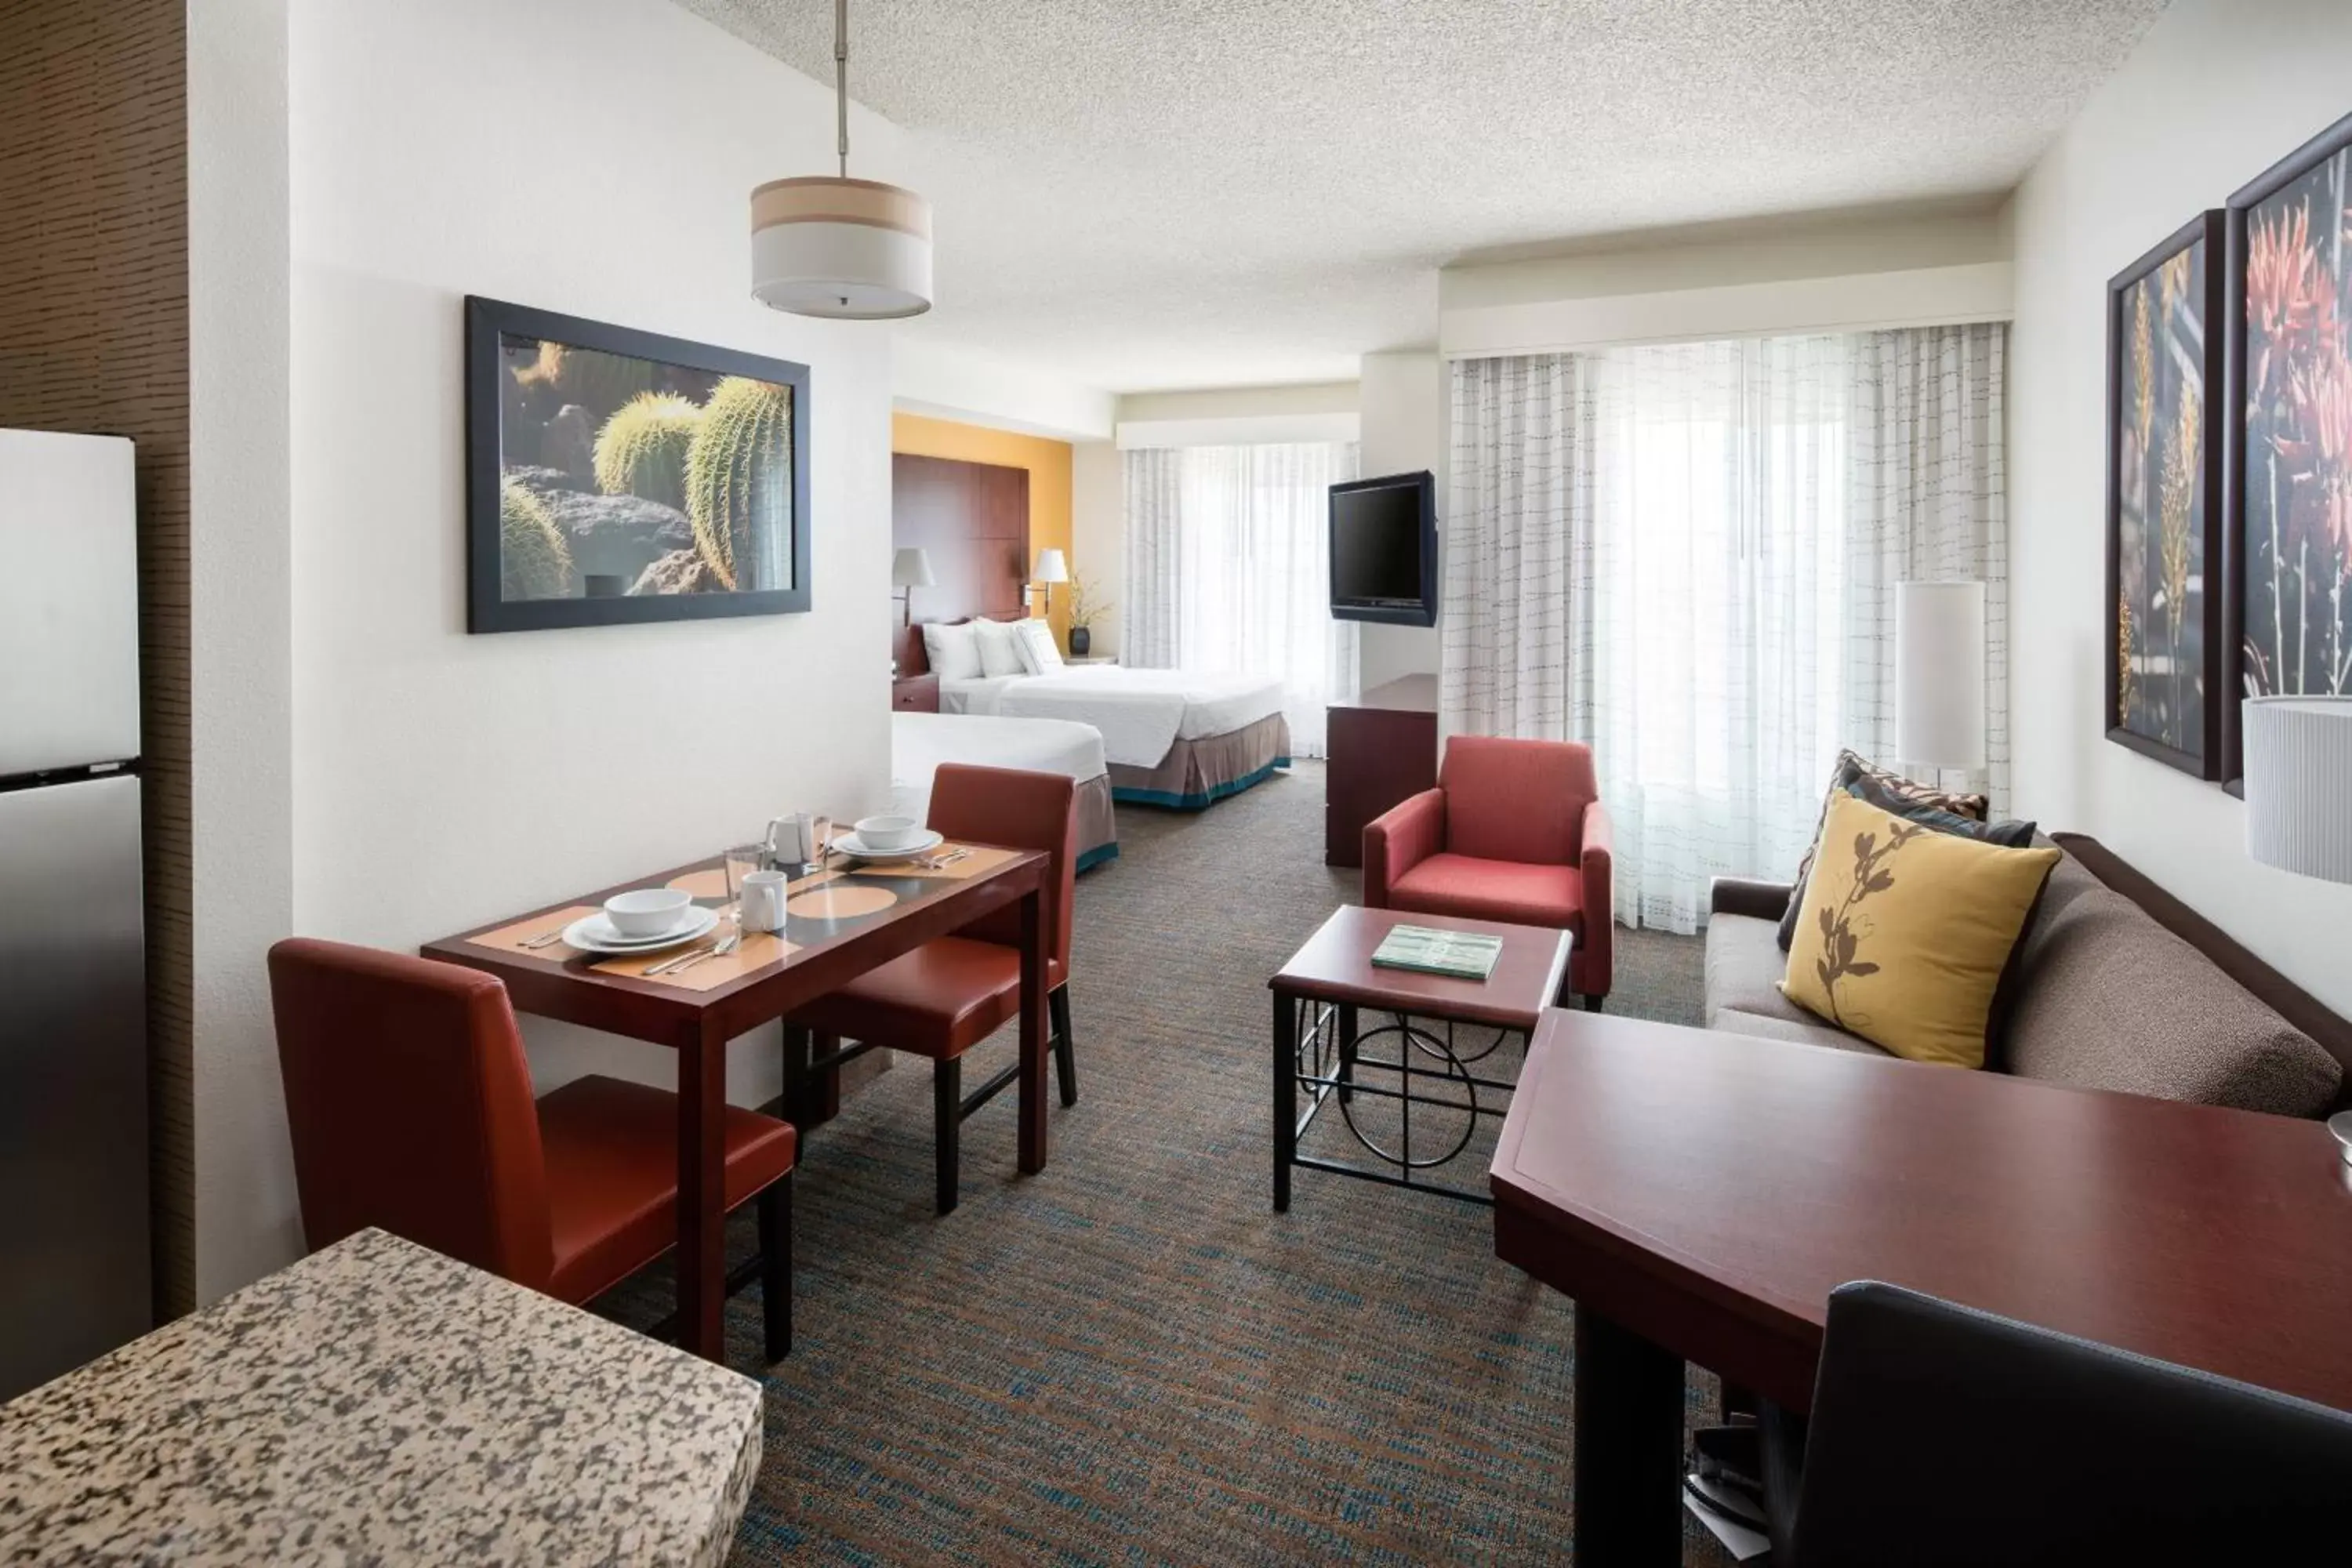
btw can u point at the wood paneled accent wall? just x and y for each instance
(94, 337)
(973, 520)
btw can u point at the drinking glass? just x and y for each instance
(741, 861)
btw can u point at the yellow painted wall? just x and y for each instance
(1048, 462)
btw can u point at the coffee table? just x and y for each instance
(1318, 996)
(1699, 1196)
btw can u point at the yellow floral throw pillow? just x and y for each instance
(1906, 931)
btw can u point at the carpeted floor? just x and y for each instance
(1131, 1358)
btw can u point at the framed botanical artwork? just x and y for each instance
(2289, 477)
(615, 476)
(2165, 482)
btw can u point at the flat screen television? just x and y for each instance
(1384, 550)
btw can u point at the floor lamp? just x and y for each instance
(1939, 675)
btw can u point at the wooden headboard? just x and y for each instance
(973, 521)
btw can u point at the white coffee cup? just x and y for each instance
(761, 905)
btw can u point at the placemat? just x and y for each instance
(759, 950)
(980, 858)
(711, 882)
(511, 938)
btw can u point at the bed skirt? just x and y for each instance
(1195, 773)
(1097, 824)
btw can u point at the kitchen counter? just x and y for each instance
(379, 1403)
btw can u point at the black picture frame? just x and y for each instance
(488, 323)
(2201, 299)
(2238, 549)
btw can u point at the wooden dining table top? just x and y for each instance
(1709, 1191)
(826, 915)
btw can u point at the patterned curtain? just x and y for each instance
(1927, 501)
(1685, 555)
(1229, 570)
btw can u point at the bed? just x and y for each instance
(1170, 737)
(919, 742)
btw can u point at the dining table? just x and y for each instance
(843, 919)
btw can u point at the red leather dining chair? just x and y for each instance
(410, 1107)
(952, 993)
(1515, 831)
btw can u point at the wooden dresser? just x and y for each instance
(1383, 748)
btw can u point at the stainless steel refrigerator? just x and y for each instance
(74, 1280)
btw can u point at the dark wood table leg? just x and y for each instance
(1033, 1032)
(702, 1191)
(1285, 1097)
(1629, 1447)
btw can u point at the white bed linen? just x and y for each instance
(1141, 712)
(919, 742)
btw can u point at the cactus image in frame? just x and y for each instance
(639, 477)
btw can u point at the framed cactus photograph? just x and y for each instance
(616, 476)
(2163, 501)
(2290, 479)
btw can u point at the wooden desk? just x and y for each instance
(700, 1011)
(1700, 1195)
(1382, 749)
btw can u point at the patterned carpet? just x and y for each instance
(1131, 1358)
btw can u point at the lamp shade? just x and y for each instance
(911, 569)
(827, 246)
(1939, 674)
(2299, 784)
(1051, 567)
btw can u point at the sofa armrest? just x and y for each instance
(1596, 863)
(1401, 838)
(1745, 895)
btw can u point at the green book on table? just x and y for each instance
(1463, 955)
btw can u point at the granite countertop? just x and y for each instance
(378, 1403)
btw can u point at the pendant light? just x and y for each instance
(826, 244)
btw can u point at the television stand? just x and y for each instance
(1383, 750)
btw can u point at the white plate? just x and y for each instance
(849, 844)
(596, 934)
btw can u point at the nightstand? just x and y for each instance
(915, 694)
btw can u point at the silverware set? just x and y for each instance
(942, 861)
(686, 960)
(544, 938)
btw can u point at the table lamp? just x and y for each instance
(2299, 784)
(1939, 674)
(911, 570)
(1051, 569)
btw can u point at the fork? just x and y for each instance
(724, 945)
(544, 938)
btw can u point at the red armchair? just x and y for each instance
(1515, 831)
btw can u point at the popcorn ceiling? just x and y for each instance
(1145, 193)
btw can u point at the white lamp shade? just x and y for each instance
(1051, 567)
(1939, 674)
(2299, 784)
(911, 569)
(853, 249)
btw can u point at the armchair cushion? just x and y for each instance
(1516, 800)
(1507, 890)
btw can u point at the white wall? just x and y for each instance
(1405, 429)
(2217, 91)
(592, 157)
(240, 681)
(929, 376)
(1098, 531)
(1240, 415)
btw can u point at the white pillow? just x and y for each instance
(953, 651)
(1037, 649)
(1000, 648)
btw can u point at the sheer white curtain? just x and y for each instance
(1229, 570)
(1685, 555)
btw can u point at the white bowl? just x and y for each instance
(648, 912)
(887, 832)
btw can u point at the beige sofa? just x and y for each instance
(2118, 985)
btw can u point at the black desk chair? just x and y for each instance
(1944, 1437)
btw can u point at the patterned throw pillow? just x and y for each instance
(1907, 933)
(1947, 811)
(1000, 648)
(1037, 650)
